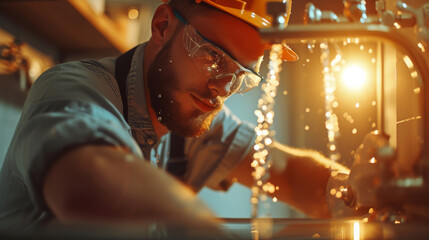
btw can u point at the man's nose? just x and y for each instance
(222, 85)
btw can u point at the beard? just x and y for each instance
(163, 84)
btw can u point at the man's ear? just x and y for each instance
(164, 24)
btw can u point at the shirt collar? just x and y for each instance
(138, 113)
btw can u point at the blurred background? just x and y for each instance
(35, 35)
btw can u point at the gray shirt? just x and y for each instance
(79, 102)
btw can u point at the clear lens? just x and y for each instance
(217, 63)
(250, 81)
(214, 60)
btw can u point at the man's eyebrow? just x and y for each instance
(186, 22)
(182, 19)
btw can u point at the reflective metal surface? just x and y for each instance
(331, 229)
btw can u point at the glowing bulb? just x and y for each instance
(354, 77)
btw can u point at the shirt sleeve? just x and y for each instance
(60, 115)
(215, 154)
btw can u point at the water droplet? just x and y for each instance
(416, 90)
(338, 195)
(310, 48)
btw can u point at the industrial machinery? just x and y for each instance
(361, 79)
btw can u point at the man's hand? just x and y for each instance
(374, 161)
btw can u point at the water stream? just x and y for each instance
(264, 139)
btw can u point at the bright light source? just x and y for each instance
(356, 231)
(354, 76)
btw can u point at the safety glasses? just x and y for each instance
(215, 62)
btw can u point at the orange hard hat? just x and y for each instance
(254, 12)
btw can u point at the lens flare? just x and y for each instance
(354, 77)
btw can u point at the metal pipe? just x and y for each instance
(297, 32)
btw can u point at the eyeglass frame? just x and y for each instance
(183, 20)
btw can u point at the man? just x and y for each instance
(92, 148)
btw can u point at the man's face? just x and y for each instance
(180, 99)
(184, 98)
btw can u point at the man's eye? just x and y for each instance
(215, 58)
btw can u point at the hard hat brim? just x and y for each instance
(288, 54)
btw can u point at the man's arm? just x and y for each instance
(94, 184)
(302, 184)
